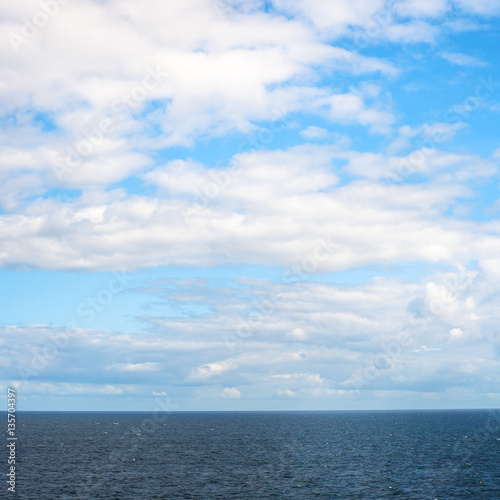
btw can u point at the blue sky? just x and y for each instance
(248, 205)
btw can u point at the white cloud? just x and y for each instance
(135, 367)
(424, 348)
(161, 393)
(297, 334)
(428, 135)
(269, 208)
(70, 389)
(469, 368)
(422, 8)
(462, 59)
(456, 332)
(425, 160)
(335, 20)
(231, 392)
(411, 32)
(351, 108)
(301, 378)
(483, 7)
(313, 132)
(368, 21)
(286, 392)
(212, 369)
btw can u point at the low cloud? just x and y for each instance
(135, 367)
(231, 393)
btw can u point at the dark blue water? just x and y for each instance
(298, 455)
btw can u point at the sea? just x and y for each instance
(411, 455)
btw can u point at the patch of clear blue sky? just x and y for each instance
(44, 121)
(450, 84)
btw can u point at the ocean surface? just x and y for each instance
(258, 455)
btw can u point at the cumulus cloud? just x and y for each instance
(297, 334)
(159, 393)
(351, 107)
(213, 369)
(456, 332)
(231, 393)
(313, 132)
(287, 392)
